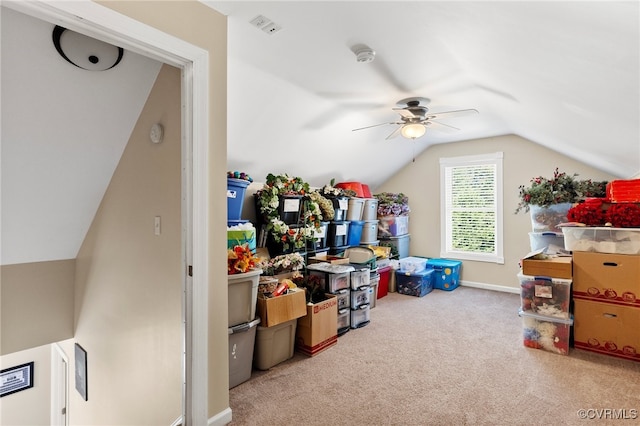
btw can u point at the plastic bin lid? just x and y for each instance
(241, 328)
(331, 268)
(545, 318)
(360, 254)
(443, 262)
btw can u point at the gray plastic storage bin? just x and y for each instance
(242, 339)
(242, 296)
(274, 344)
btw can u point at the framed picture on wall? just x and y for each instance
(81, 371)
(16, 379)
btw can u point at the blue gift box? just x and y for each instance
(446, 273)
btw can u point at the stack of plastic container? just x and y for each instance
(545, 311)
(338, 228)
(242, 298)
(370, 223)
(239, 231)
(393, 231)
(413, 278)
(337, 281)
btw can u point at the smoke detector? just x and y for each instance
(365, 55)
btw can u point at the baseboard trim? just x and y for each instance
(220, 419)
(493, 287)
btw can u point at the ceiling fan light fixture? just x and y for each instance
(413, 130)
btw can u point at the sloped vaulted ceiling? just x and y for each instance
(561, 74)
(63, 132)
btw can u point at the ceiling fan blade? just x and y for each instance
(375, 125)
(456, 113)
(406, 113)
(395, 133)
(435, 125)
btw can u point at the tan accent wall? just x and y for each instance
(36, 304)
(129, 280)
(200, 25)
(420, 181)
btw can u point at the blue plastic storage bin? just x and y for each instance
(235, 197)
(446, 273)
(416, 284)
(355, 232)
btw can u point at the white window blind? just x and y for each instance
(471, 189)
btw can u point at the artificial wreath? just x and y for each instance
(277, 186)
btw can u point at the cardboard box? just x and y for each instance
(607, 329)
(554, 267)
(611, 278)
(276, 310)
(318, 329)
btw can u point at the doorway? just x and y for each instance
(96, 21)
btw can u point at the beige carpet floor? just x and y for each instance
(448, 358)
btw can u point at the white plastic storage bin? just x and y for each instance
(413, 264)
(370, 211)
(344, 321)
(360, 317)
(545, 296)
(542, 240)
(401, 244)
(369, 231)
(549, 334)
(360, 277)
(335, 277)
(356, 206)
(242, 295)
(242, 338)
(360, 297)
(274, 344)
(602, 239)
(344, 298)
(373, 290)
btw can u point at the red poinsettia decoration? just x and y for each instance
(623, 215)
(591, 213)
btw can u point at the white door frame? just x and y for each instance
(92, 19)
(59, 386)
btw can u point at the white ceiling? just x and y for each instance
(562, 74)
(63, 132)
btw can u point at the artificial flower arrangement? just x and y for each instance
(282, 264)
(392, 204)
(332, 191)
(269, 202)
(561, 188)
(240, 259)
(313, 285)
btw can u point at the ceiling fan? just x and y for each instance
(415, 119)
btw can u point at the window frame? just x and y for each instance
(495, 159)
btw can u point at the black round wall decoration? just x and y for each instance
(85, 52)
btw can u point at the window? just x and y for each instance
(471, 207)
